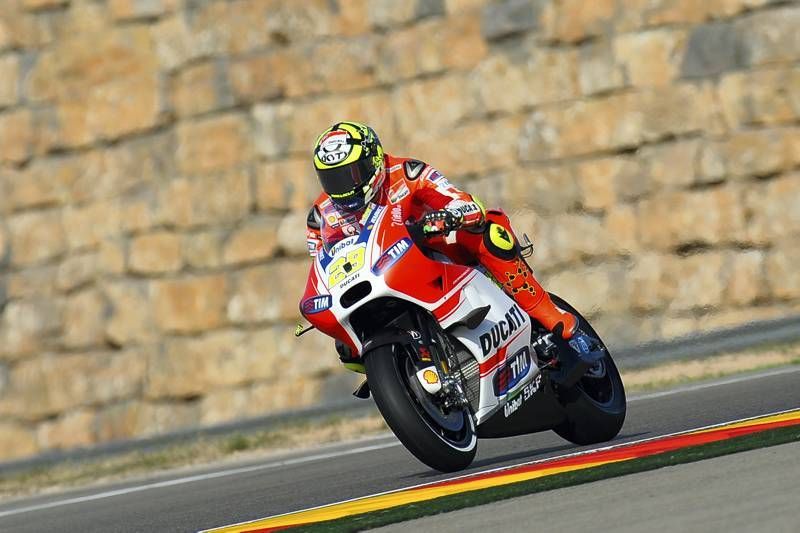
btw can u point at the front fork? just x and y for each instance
(433, 347)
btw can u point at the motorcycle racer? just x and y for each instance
(354, 172)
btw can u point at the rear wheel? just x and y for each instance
(596, 405)
(444, 440)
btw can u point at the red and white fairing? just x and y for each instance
(384, 255)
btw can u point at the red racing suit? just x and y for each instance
(484, 236)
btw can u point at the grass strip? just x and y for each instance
(481, 497)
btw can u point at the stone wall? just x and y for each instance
(154, 180)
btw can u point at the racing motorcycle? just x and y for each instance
(449, 356)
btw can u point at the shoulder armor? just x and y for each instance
(413, 168)
(314, 220)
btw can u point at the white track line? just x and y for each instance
(199, 477)
(330, 455)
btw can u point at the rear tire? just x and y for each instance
(439, 448)
(595, 407)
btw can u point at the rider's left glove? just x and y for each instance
(442, 222)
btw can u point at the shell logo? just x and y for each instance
(430, 377)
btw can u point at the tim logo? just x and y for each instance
(317, 304)
(391, 256)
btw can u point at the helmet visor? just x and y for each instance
(345, 185)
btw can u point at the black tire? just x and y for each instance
(440, 449)
(595, 407)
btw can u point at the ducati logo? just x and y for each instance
(501, 331)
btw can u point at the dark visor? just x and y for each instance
(342, 183)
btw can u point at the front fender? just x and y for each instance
(386, 337)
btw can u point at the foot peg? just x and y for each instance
(362, 391)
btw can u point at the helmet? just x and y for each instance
(348, 158)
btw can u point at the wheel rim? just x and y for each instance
(454, 427)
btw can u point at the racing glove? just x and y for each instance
(442, 222)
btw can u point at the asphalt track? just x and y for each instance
(215, 496)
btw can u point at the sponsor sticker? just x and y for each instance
(334, 148)
(391, 256)
(502, 330)
(523, 396)
(317, 304)
(512, 372)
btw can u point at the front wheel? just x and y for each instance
(596, 405)
(443, 440)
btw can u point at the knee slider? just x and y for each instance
(500, 241)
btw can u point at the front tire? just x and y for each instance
(446, 449)
(595, 407)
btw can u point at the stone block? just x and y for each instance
(753, 153)
(189, 304)
(17, 136)
(575, 20)
(774, 209)
(268, 293)
(671, 165)
(85, 313)
(155, 253)
(650, 58)
(622, 231)
(111, 256)
(756, 98)
(348, 65)
(504, 83)
(76, 271)
(685, 218)
(158, 418)
(219, 199)
(472, 147)
(461, 38)
(600, 181)
(744, 276)
(698, 282)
(544, 190)
(616, 121)
(176, 42)
(70, 430)
(200, 88)
(441, 103)
(256, 240)
(120, 421)
(509, 17)
(36, 237)
(291, 234)
(260, 77)
(90, 224)
(17, 441)
(578, 236)
(213, 144)
(770, 36)
(50, 384)
(128, 320)
(410, 52)
(589, 290)
(203, 249)
(271, 122)
(190, 367)
(598, 69)
(287, 184)
(713, 49)
(9, 79)
(782, 273)
(650, 285)
(31, 282)
(25, 325)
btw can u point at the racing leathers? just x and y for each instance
(479, 235)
